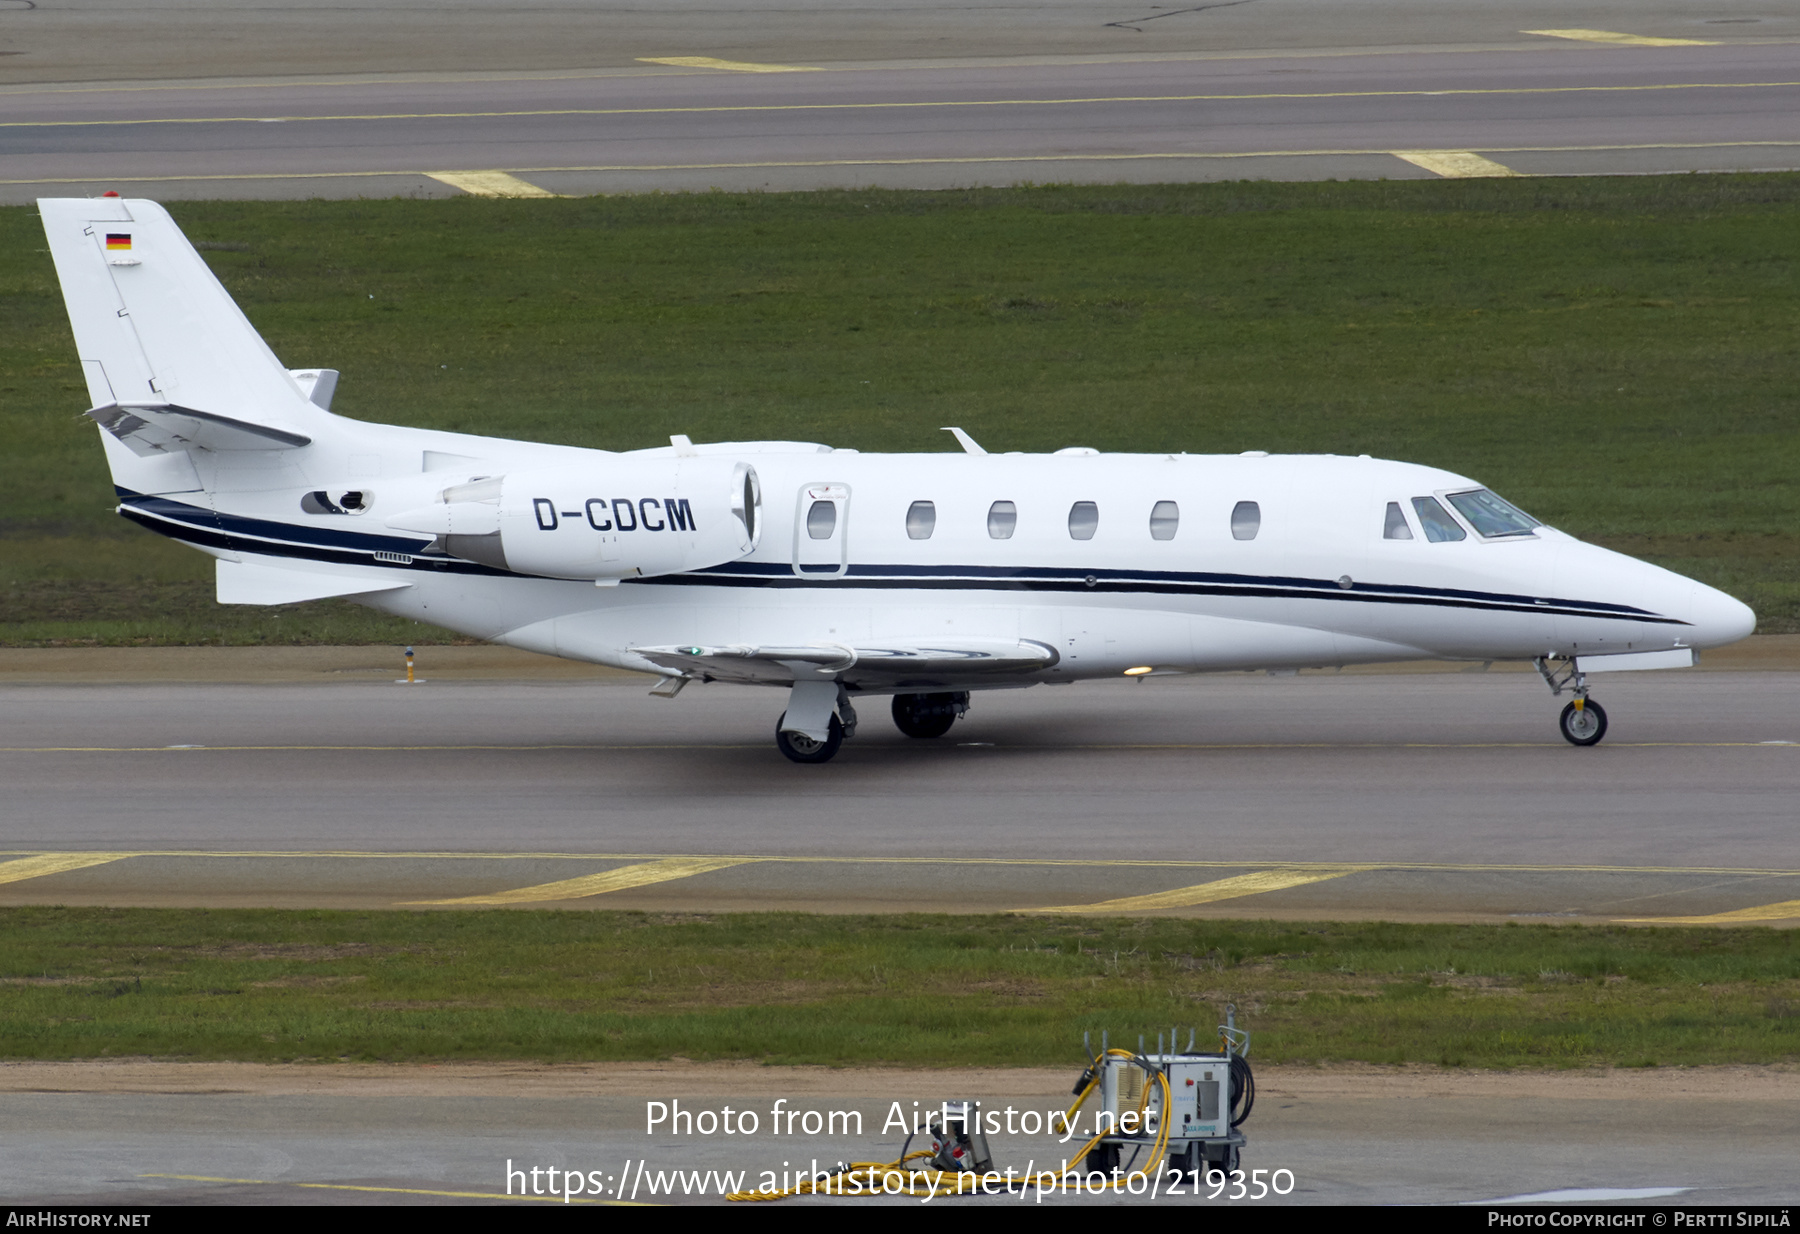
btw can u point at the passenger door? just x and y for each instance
(821, 531)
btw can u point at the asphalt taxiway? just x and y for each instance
(1438, 795)
(143, 1132)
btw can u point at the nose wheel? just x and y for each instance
(1583, 722)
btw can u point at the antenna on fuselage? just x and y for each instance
(968, 443)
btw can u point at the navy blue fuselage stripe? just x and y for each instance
(198, 525)
(200, 528)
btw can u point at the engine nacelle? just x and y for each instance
(623, 518)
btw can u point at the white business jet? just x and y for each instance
(831, 574)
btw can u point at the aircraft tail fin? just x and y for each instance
(162, 342)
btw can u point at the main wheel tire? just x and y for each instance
(924, 715)
(1584, 727)
(803, 749)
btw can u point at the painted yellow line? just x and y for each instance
(54, 863)
(1327, 867)
(458, 1195)
(489, 184)
(1207, 893)
(921, 104)
(1787, 910)
(621, 879)
(1149, 156)
(1454, 164)
(729, 66)
(1622, 40)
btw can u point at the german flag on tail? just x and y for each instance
(117, 243)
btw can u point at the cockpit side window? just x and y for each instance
(1491, 515)
(1439, 526)
(1395, 527)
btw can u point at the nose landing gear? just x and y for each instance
(1583, 722)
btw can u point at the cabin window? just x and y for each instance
(1003, 517)
(921, 517)
(1084, 519)
(1165, 517)
(1396, 527)
(1439, 526)
(821, 520)
(1492, 515)
(1246, 520)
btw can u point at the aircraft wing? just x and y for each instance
(916, 665)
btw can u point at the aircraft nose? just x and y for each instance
(1717, 618)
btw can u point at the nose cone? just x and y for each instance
(1667, 609)
(1717, 619)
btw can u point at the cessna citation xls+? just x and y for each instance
(832, 574)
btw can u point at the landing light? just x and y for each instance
(1138, 672)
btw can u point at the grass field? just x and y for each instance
(1615, 355)
(553, 986)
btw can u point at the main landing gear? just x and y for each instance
(1583, 722)
(819, 718)
(928, 715)
(817, 721)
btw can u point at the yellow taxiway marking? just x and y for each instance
(1148, 156)
(621, 879)
(54, 863)
(1329, 868)
(729, 66)
(490, 184)
(459, 1195)
(1787, 910)
(1205, 893)
(901, 105)
(1622, 40)
(1454, 164)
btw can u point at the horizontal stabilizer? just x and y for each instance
(163, 428)
(887, 663)
(248, 583)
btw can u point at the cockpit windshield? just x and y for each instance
(1492, 516)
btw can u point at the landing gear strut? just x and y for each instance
(1583, 722)
(928, 715)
